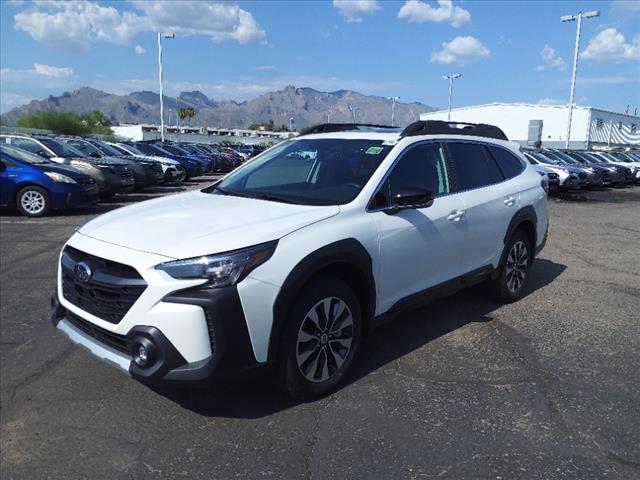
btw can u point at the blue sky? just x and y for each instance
(516, 51)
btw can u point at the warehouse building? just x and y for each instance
(546, 125)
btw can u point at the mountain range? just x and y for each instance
(306, 105)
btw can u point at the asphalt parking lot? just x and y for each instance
(545, 388)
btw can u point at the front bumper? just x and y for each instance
(220, 309)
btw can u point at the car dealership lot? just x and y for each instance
(547, 387)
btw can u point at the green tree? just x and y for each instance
(67, 123)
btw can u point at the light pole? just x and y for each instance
(571, 18)
(393, 107)
(160, 35)
(290, 124)
(450, 77)
(353, 112)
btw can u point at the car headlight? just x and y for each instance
(59, 177)
(221, 270)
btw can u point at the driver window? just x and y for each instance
(423, 166)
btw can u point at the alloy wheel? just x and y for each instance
(325, 338)
(516, 267)
(33, 202)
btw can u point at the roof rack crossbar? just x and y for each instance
(344, 127)
(439, 127)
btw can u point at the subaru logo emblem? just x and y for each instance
(82, 271)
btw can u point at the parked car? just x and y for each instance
(227, 160)
(604, 176)
(289, 261)
(35, 186)
(569, 177)
(553, 179)
(112, 176)
(145, 173)
(172, 170)
(593, 176)
(208, 163)
(627, 169)
(192, 166)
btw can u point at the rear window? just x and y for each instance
(472, 165)
(508, 162)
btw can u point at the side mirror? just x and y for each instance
(95, 155)
(406, 198)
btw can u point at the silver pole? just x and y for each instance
(573, 79)
(160, 80)
(450, 92)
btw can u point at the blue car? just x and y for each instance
(193, 168)
(36, 186)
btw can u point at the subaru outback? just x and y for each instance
(289, 262)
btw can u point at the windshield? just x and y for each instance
(23, 155)
(543, 158)
(173, 149)
(107, 149)
(61, 149)
(308, 172)
(84, 147)
(147, 149)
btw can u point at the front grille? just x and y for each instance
(109, 293)
(86, 182)
(123, 172)
(113, 340)
(582, 175)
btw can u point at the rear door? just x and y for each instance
(491, 200)
(9, 174)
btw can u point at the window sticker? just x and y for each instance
(374, 150)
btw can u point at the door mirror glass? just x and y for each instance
(406, 198)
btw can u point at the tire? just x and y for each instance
(514, 269)
(316, 355)
(33, 201)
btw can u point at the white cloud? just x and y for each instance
(625, 7)
(416, 11)
(262, 68)
(39, 70)
(550, 101)
(550, 59)
(49, 71)
(356, 10)
(77, 24)
(609, 47)
(460, 51)
(139, 49)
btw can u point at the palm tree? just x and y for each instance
(190, 114)
(182, 114)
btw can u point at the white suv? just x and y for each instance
(289, 261)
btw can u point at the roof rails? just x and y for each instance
(345, 127)
(439, 127)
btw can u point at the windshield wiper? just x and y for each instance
(269, 197)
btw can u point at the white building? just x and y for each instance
(198, 134)
(546, 125)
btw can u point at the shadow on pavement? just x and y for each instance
(256, 397)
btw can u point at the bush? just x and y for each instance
(67, 123)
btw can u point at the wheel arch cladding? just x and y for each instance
(346, 259)
(526, 220)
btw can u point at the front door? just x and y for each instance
(419, 248)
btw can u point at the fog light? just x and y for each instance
(141, 357)
(144, 353)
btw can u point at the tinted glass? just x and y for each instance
(61, 149)
(508, 162)
(23, 155)
(308, 172)
(424, 167)
(28, 145)
(472, 166)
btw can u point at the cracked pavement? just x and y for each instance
(548, 387)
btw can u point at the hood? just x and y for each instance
(102, 160)
(195, 223)
(57, 168)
